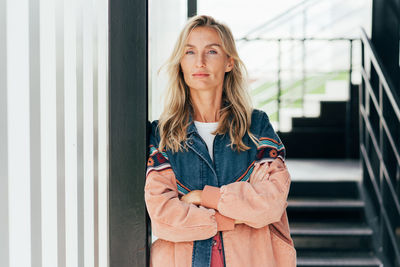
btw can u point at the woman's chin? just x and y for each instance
(203, 87)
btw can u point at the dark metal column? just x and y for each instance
(191, 8)
(128, 83)
(385, 37)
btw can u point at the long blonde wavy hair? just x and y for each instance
(236, 108)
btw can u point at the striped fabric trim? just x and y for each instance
(269, 142)
(246, 175)
(158, 168)
(157, 161)
(154, 151)
(267, 151)
(181, 188)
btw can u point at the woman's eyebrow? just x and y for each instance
(213, 44)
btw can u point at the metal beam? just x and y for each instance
(191, 8)
(128, 83)
(385, 37)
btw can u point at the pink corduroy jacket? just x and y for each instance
(262, 240)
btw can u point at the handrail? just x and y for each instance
(302, 39)
(380, 70)
(380, 155)
(300, 10)
(282, 95)
(375, 101)
(277, 17)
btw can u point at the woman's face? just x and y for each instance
(204, 62)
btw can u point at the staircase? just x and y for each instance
(331, 135)
(321, 137)
(329, 226)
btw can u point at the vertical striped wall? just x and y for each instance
(53, 133)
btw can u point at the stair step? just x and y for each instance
(312, 144)
(328, 225)
(330, 230)
(331, 109)
(352, 259)
(324, 210)
(339, 131)
(356, 262)
(331, 236)
(336, 122)
(329, 190)
(325, 204)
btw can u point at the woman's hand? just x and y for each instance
(193, 197)
(259, 173)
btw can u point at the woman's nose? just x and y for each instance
(200, 60)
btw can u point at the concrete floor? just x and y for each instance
(324, 169)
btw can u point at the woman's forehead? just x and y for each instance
(204, 36)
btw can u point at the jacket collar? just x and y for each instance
(191, 128)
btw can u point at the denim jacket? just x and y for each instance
(227, 196)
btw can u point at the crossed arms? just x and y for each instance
(257, 203)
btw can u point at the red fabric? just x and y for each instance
(217, 257)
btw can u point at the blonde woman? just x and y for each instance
(216, 183)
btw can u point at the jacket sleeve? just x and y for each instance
(266, 201)
(172, 219)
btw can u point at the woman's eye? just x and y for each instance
(189, 52)
(212, 52)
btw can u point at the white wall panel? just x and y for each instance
(95, 135)
(4, 228)
(54, 133)
(48, 126)
(88, 134)
(19, 209)
(79, 110)
(102, 77)
(60, 132)
(35, 139)
(71, 135)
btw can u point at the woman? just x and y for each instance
(216, 182)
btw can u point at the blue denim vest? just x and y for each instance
(194, 168)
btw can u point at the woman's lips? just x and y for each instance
(201, 74)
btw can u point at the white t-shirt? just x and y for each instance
(205, 129)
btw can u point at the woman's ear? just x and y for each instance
(230, 64)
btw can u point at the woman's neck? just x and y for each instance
(206, 105)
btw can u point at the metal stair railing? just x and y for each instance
(301, 10)
(379, 116)
(287, 15)
(289, 95)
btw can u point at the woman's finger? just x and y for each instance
(187, 198)
(265, 170)
(257, 174)
(253, 172)
(183, 198)
(253, 176)
(261, 172)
